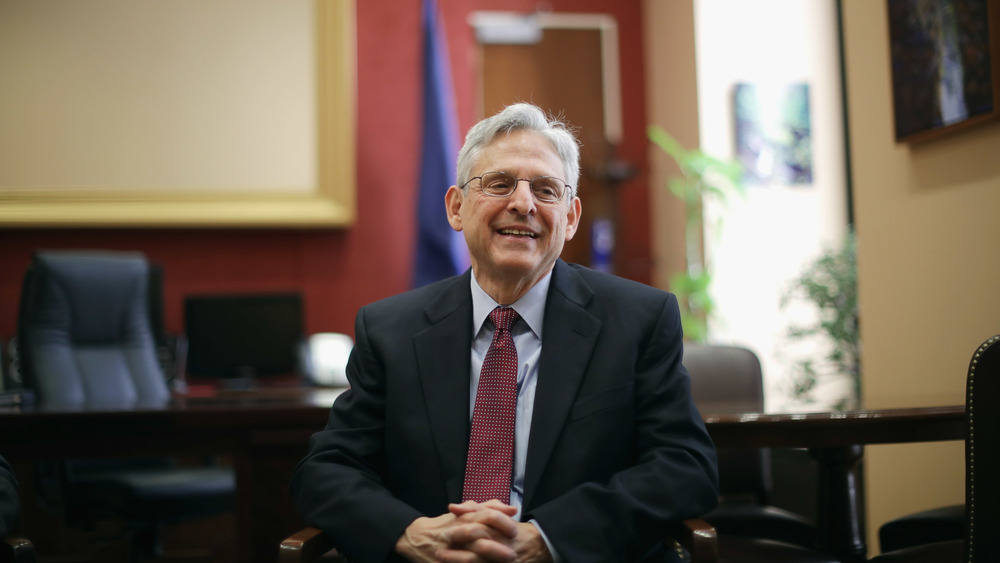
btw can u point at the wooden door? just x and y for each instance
(563, 75)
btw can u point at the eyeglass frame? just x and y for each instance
(567, 189)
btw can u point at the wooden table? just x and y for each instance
(836, 439)
(266, 433)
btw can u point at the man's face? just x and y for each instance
(515, 239)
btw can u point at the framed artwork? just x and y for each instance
(945, 60)
(773, 133)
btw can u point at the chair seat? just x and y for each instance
(951, 551)
(156, 495)
(762, 521)
(938, 524)
(755, 550)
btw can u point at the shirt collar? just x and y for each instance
(530, 307)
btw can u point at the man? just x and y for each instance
(587, 456)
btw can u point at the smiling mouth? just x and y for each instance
(517, 233)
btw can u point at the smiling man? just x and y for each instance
(527, 410)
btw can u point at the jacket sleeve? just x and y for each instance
(339, 486)
(671, 471)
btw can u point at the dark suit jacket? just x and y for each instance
(617, 450)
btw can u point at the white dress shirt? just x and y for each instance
(527, 335)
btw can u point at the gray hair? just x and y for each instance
(514, 118)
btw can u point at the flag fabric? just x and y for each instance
(440, 251)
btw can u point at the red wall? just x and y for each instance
(339, 270)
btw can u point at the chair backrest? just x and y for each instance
(726, 380)
(982, 454)
(84, 329)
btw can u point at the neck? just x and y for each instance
(506, 291)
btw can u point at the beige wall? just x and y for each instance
(672, 103)
(927, 223)
(111, 93)
(926, 217)
(758, 243)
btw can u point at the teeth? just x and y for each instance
(517, 232)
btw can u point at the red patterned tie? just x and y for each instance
(491, 443)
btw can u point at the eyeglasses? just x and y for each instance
(546, 189)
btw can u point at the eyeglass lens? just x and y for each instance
(544, 188)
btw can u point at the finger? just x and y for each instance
(495, 519)
(497, 505)
(456, 556)
(492, 550)
(471, 506)
(484, 550)
(464, 508)
(460, 534)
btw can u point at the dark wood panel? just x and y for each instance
(837, 429)
(263, 434)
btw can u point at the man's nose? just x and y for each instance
(522, 200)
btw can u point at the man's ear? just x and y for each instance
(453, 207)
(573, 217)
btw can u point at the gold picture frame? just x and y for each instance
(329, 203)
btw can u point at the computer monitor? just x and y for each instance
(243, 336)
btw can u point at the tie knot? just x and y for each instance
(503, 317)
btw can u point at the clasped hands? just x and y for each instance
(473, 532)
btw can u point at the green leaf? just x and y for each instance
(701, 176)
(829, 285)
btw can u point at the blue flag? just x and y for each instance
(441, 251)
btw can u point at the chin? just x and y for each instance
(512, 267)
(522, 260)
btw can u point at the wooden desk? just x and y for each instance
(264, 432)
(836, 439)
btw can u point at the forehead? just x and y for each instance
(521, 152)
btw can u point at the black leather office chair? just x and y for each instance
(980, 538)
(927, 526)
(12, 549)
(728, 379)
(85, 339)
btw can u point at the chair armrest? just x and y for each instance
(309, 544)
(16, 550)
(699, 538)
(306, 545)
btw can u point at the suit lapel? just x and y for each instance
(569, 335)
(443, 352)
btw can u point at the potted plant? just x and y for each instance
(701, 177)
(829, 287)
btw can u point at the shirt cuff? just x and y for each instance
(548, 544)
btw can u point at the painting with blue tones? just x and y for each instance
(944, 68)
(773, 134)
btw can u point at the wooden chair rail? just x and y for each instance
(16, 550)
(308, 544)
